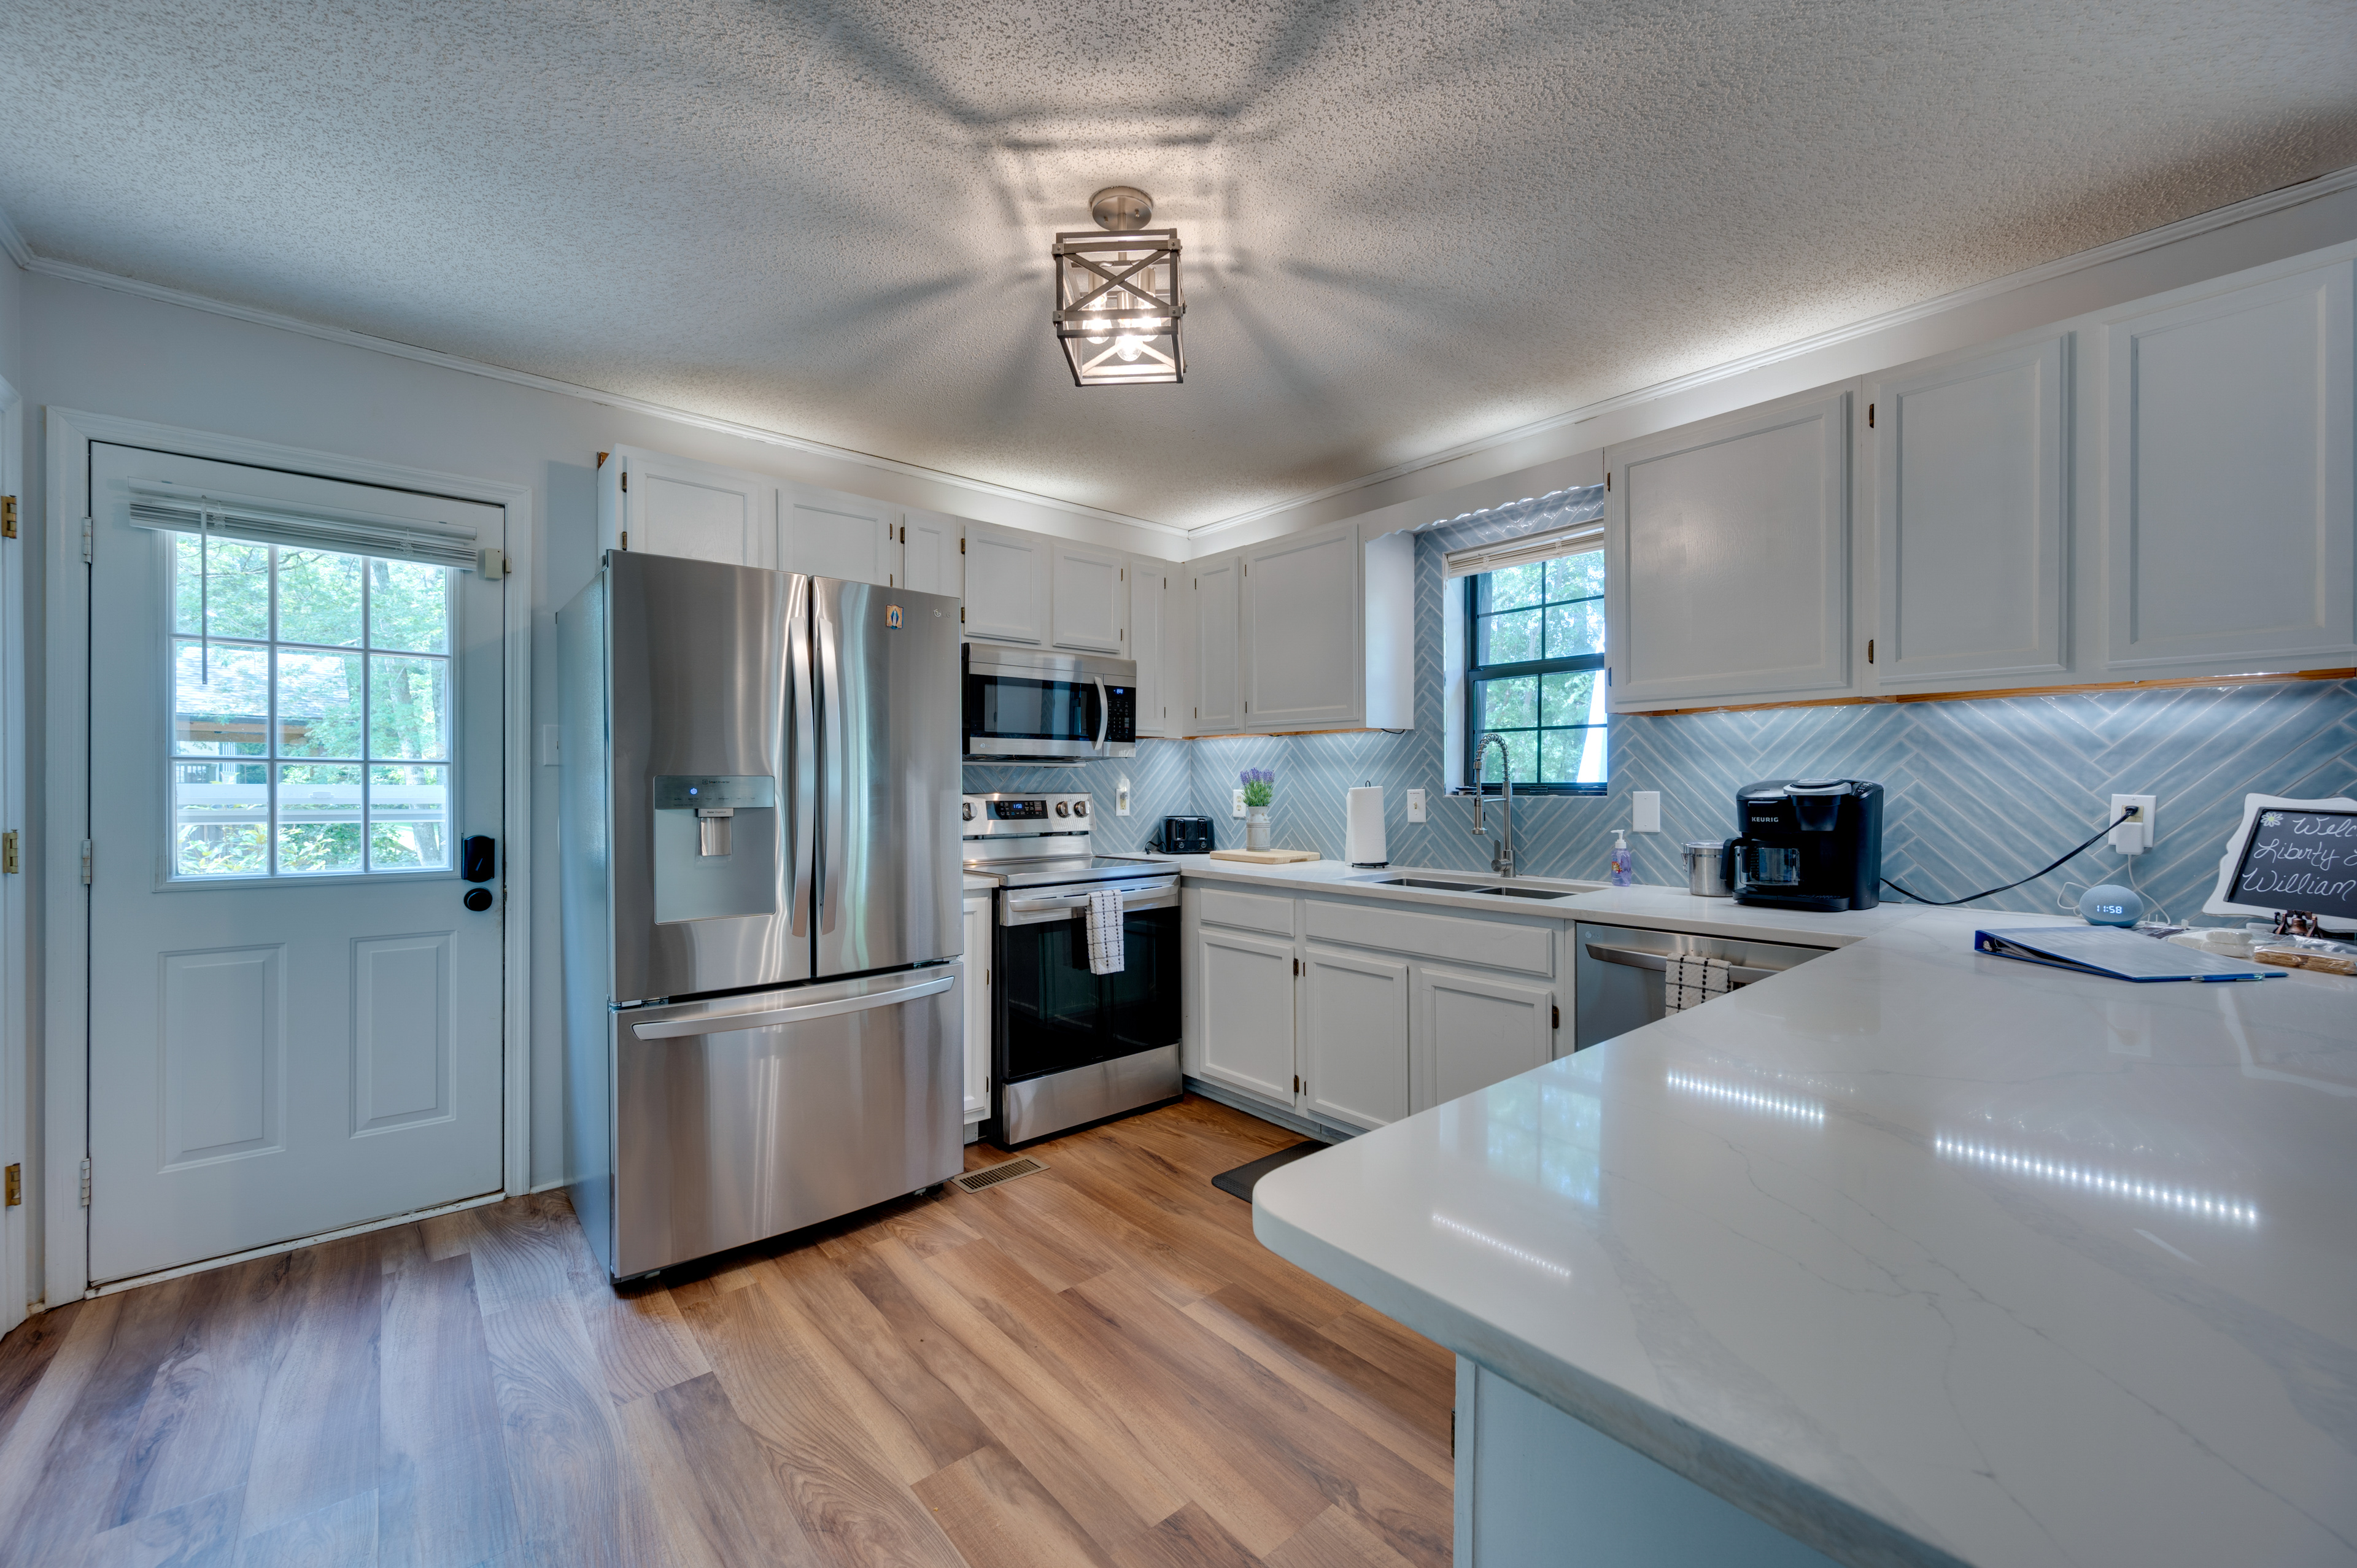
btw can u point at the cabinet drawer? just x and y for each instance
(1494, 943)
(1248, 911)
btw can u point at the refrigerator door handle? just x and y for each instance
(832, 760)
(1105, 713)
(771, 1018)
(805, 753)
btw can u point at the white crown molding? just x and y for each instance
(14, 244)
(75, 273)
(2258, 205)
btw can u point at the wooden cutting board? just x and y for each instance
(1267, 856)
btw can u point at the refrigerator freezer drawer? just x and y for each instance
(750, 1116)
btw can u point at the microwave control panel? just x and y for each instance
(1121, 714)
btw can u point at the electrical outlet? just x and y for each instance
(1645, 811)
(1121, 797)
(1416, 805)
(1238, 809)
(2136, 834)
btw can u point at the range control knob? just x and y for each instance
(1064, 809)
(966, 807)
(1079, 808)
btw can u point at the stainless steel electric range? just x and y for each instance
(1068, 1047)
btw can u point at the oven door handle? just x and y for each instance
(1065, 907)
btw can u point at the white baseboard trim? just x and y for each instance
(412, 1218)
(1269, 1111)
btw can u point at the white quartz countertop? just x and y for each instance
(1661, 908)
(1921, 1255)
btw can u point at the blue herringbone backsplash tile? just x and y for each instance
(1979, 792)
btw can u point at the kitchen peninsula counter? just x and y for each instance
(1918, 1255)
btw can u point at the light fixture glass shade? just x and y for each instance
(1118, 307)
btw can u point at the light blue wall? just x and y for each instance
(1978, 792)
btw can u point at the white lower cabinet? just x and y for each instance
(1354, 1037)
(978, 980)
(1473, 1030)
(1245, 986)
(1296, 1001)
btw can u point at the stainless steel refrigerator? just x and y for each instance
(761, 902)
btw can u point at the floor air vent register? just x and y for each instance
(991, 1176)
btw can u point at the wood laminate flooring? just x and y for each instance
(1096, 1366)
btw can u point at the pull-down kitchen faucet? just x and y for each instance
(1502, 859)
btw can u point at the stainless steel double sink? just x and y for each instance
(1434, 885)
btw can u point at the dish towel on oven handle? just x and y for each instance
(1693, 980)
(1105, 954)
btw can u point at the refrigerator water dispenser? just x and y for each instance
(715, 844)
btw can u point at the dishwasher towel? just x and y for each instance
(1105, 954)
(1691, 982)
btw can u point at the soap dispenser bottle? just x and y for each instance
(1624, 861)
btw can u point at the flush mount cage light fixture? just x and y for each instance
(1118, 303)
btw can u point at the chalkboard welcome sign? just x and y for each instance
(2292, 854)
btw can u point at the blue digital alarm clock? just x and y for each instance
(2111, 905)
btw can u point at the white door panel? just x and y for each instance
(1246, 1006)
(830, 534)
(295, 1022)
(661, 504)
(931, 559)
(1088, 598)
(1006, 584)
(1354, 1058)
(1472, 1031)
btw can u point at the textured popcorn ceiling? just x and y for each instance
(1407, 224)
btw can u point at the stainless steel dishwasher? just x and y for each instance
(1620, 969)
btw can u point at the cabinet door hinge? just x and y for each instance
(626, 481)
(1297, 1083)
(8, 852)
(961, 543)
(7, 516)
(961, 614)
(1297, 968)
(89, 528)
(1869, 650)
(1869, 416)
(85, 1184)
(1607, 479)
(16, 1182)
(86, 856)
(1558, 1012)
(625, 538)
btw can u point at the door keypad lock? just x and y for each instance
(479, 861)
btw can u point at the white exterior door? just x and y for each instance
(295, 1017)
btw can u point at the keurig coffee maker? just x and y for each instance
(1808, 844)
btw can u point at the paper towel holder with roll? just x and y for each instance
(1364, 839)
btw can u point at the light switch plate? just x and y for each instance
(1238, 809)
(1645, 806)
(1416, 805)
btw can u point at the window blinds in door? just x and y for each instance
(1555, 542)
(173, 508)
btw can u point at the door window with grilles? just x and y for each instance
(311, 727)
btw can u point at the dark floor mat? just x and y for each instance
(1239, 1181)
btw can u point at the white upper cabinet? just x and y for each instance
(1328, 631)
(1149, 583)
(1006, 584)
(663, 505)
(1089, 598)
(1215, 709)
(1727, 549)
(1971, 518)
(932, 558)
(2229, 510)
(830, 534)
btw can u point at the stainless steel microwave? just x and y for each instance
(1029, 703)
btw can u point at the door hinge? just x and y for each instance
(1869, 416)
(85, 1184)
(961, 614)
(1869, 650)
(15, 1185)
(1297, 968)
(961, 543)
(88, 527)
(1607, 479)
(87, 857)
(626, 481)
(1297, 1083)
(8, 852)
(625, 538)
(7, 516)
(1557, 1011)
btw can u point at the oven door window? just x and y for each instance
(1009, 707)
(1054, 1015)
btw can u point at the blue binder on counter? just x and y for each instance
(2116, 954)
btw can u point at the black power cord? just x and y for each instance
(2011, 885)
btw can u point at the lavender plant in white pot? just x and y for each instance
(1260, 788)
